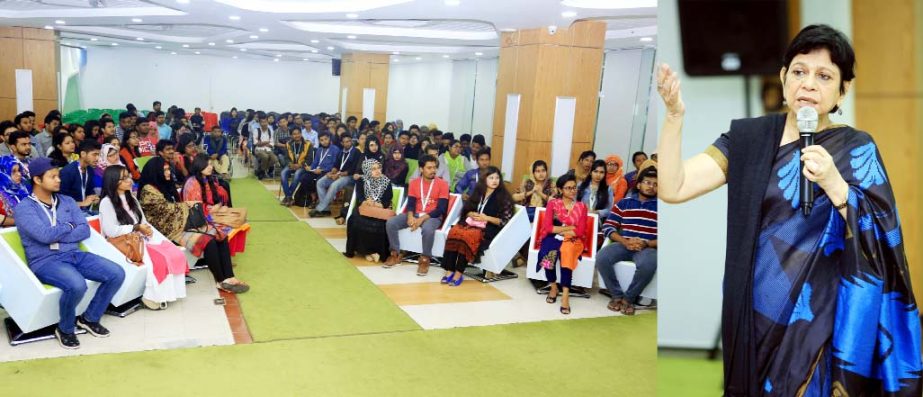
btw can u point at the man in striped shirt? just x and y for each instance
(632, 229)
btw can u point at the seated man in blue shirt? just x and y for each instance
(339, 178)
(467, 183)
(77, 177)
(325, 157)
(216, 147)
(51, 229)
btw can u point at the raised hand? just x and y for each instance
(668, 87)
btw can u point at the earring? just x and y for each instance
(839, 111)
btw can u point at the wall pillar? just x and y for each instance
(358, 72)
(34, 49)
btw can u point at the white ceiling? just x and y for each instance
(319, 30)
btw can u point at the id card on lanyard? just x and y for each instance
(52, 216)
(428, 193)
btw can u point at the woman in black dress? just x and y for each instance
(364, 234)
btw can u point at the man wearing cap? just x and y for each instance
(51, 239)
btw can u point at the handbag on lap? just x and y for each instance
(372, 211)
(131, 245)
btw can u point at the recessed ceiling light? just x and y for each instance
(276, 60)
(452, 2)
(264, 30)
(185, 45)
(445, 56)
(253, 36)
(49, 27)
(159, 47)
(395, 53)
(351, 37)
(419, 58)
(139, 38)
(569, 14)
(352, 16)
(314, 51)
(235, 57)
(234, 17)
(211, 44)
(305, 59)
(59, 22)
(315, 41)
(508, 30)
(477, 54)
(93, 39)
(197, 53)
(397, 60)
(278, 55)
(137, 20)
(329, 48)
(115, 44)
(183, 1)
(172, 52)
(243, 50)
(229, 41)
(647, 39)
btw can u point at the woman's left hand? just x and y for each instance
(820, 168)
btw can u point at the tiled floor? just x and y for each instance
(433, 305)
(190, 322)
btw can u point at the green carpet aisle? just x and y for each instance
(604, 357)
(689, 377)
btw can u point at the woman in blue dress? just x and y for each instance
(817, 304)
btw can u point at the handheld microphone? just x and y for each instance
(807, 125)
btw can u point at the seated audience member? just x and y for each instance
(92, 129)
(12, 189)
(77, 132)
(107, 131)
(164, 131)
(25, 123)
(562, 233)
(216, 147)
(130, 152)
(281, 136)
(455, 164)
(486, 211)
(197, 121)
(632, 227)
(119, 215)
(403, 140)
(427, 204)
(584, 166)
(465, 140)
(51, 241)
(187, 151)
(361, 142)
(396, 168)
(108, 155)
(637, 159)
(339, 178)
(325, 158)
(536, 190)
(442, 171)
(6, 128)
(469, 180)
(147, 132)
(478, 142)
(42, 141)
(201, 185)
(262, 142)
(412, 152)
(387, 142)
(366, 235)
(62, 152)
(21, 148)
(310, 135)
(299, 153)
(169, 214)
(124, 125)
(76, 181)
(371, 150)
(615, 179)
(594, 193)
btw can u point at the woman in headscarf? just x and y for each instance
(12, 190)
(168, 213)
(370, 150)
(108, 155)
(366, 235)
(615, 178)
(396, 168)
(536, 190)
(412, 152)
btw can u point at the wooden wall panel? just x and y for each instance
(14, 32)
(884, 36)
(378, 79)
(39, 55)
(7, 108)
(585, 74)
(38, 34)
(41, 107)
(11, 60)
(359, 71)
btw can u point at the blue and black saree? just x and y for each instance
(813, 305)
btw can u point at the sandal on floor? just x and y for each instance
(339, 220)
(551, 299)
(616, 305)
(628, 309)
(565, 310)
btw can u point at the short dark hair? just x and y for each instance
(564, 179)
(351, 118)
(814, 37)
(414, 127)
(636, 154)
(427, 159)
(482, 152)
(373, 123)
(6, 124)
(649, 172)
(28, 113)
(587, 153)
(465, 138)
(16, 136)
(479, 139)
(124, 115)
(131, 107)
(19, 117)
(159, 113)
(163, 144)
(103, 122)
(157, 103)
(88, 145)
(431, 147)
(403, 132)
(51, 117)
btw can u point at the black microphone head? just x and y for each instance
(807, 119)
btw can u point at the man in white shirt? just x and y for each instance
(263, 143)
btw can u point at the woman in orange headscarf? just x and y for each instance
(615, 179)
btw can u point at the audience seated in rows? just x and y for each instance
(120, 215)
(325, 158)
(486, 211)
(469, 180)
(340, 176)
(427, 204)
(594, 192)
(51, 241)
(76, 181)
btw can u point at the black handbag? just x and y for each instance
(196, 219)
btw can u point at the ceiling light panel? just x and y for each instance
(448, 30)
(63, 9)
(410, 49)
(275, 46)
(310, 6)
(165, 32)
